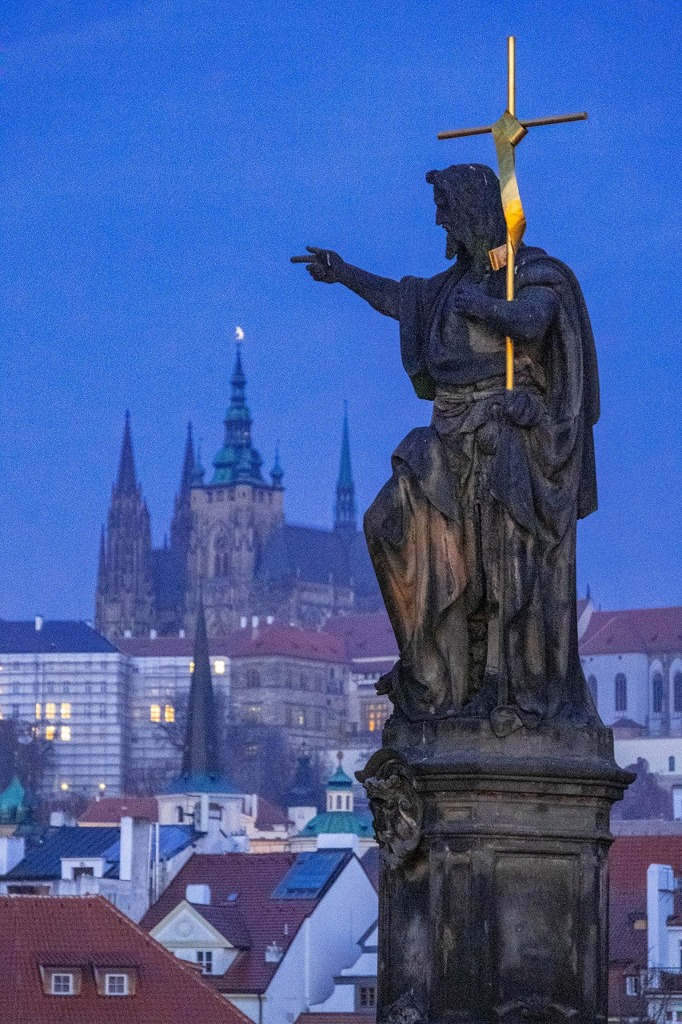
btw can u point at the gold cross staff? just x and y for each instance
(507, 133)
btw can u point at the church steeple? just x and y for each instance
(344, 517)
(125, 602)
(187, 463)
(238, 461)
(200, 749)
(126, 481)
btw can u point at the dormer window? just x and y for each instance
(61, 980)
(116, 984)
(119, 981)
(62, 985)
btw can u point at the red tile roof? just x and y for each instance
(110, 809)
(267, 640)
(252, 877)
(88, 932)
(269, 815)
(641, 630)
(366, 635)
(629, 858)
(287, 641)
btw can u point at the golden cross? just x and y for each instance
(508, 132)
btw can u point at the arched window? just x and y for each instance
(592, 686)
(621, 695)
(657, 693)
(677, 692)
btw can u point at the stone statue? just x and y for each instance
(473, 538)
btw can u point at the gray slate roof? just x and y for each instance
(54, 637)
(314, 555)
(42, 860)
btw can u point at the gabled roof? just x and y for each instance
(269, 816)
(53, 637)
(243, 906)
(88, 932)
(109, 810)
(43, 860)
(640, 630)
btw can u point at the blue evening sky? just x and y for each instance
(160, 163)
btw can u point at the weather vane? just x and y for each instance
(507, 132)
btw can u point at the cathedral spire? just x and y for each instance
(126, 481)
(102, 561)
(187, 474)
(200, 749)
(345, 489)
(238, 461)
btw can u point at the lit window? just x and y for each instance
(50, 730)
(301, 718)
(65, 710)
(65, 733)
(39, 711)
(116, 984)
(169, 713)
(219, 667)
(155, 712)
(375, 716)
(205, 958)
(191, 666)
(632, 985)
(62, 985)
(50, 710)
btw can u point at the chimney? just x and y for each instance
(38, 623)
(273, 953)
(125, 861)
(201, 813)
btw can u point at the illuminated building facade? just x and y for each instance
(68, 688)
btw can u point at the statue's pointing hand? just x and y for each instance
(324, 264)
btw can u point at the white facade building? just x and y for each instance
(633, 665)
(63, 683)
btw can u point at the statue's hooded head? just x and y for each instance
(469, 207)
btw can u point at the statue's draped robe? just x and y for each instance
(473, 538)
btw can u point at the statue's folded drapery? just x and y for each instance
(473, 538)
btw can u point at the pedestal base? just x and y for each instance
(493, 891)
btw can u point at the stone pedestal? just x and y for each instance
(494, 891)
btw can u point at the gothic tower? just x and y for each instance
(344, 514)
(232, 518)
(124, 601)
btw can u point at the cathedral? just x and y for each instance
(229, 543)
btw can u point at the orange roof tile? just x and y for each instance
(88, 932)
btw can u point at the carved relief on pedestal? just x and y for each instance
(397, 807)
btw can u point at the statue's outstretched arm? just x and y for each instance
(526, 318)
(326, 265)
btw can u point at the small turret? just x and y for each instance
(277, 473)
